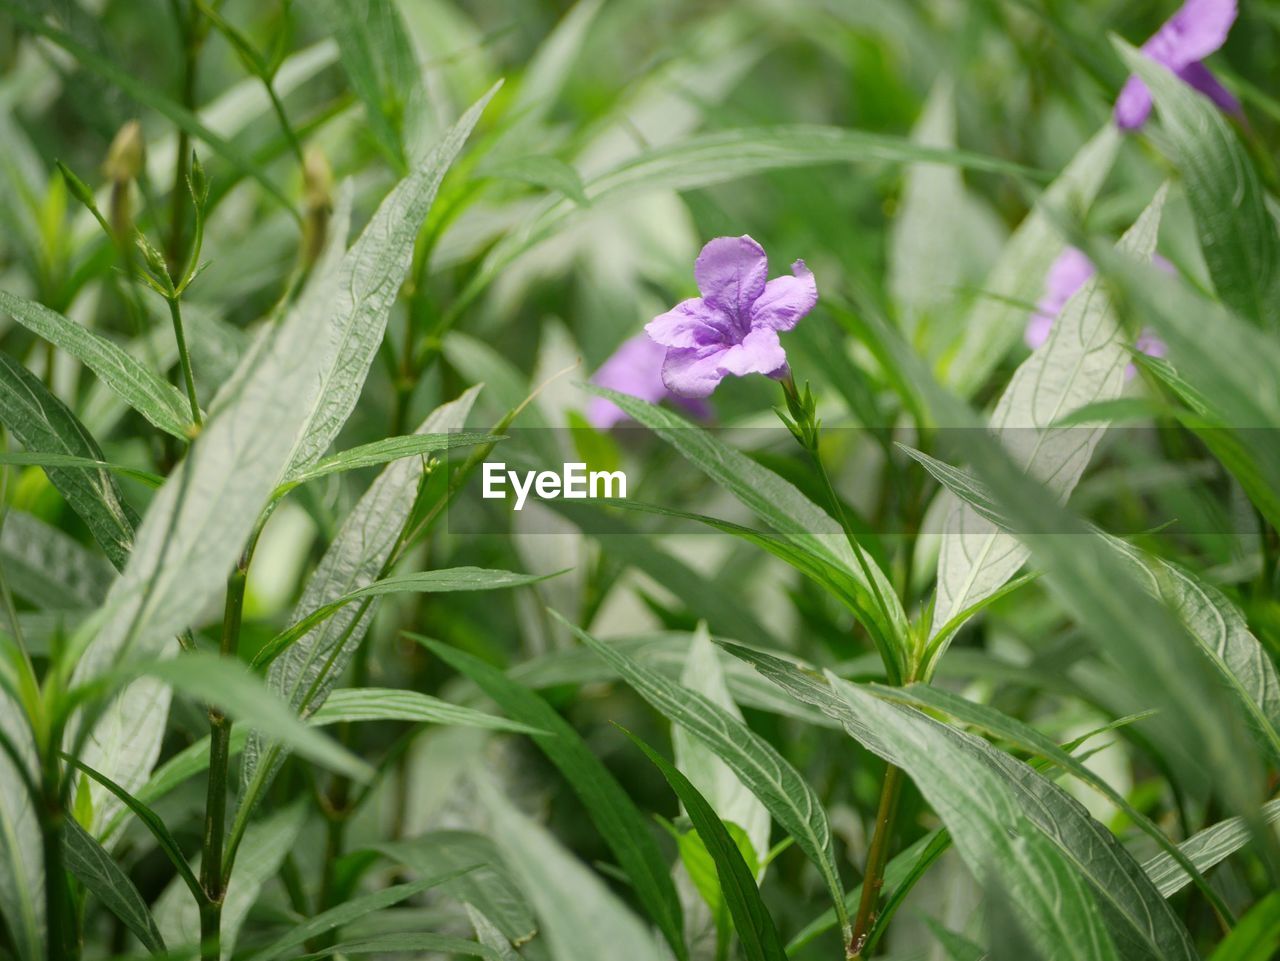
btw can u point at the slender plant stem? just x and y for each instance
(215, 812)
(877, 858)
(60, 918)
(184, 358)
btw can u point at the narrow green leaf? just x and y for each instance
(1206, 848)
(996, 321)
(751, 919)
(415, 943)
(1082, 362)
(1256, 937)
(764, 771)
(243, 696)
(1238, 235)
(21, 857)
(787, 511)
(423, 582)
(43, 424)
(539, 170)
(610, 808)
(392, 704)
(47, 567)
(350, 911)
(100, 874)
(379, 452)
(36, 459)
(999, 803)
(142, 389)
(579, 915)
(152, 822)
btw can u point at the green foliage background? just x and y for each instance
(276, 277)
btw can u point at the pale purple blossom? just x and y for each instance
(635, 368)
(1199, 28)
(733, 327)
(1068, 274)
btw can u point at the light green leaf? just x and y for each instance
(548, 68)
(243, 696)
(379, 452)
(579, 915)
(392, 704)
(1256, 937)
(1205, 849)
(790, 513)
(1238, 235)
(141, 388)
(415, 943)
(996, 322)
(423, 582)
(361, 292)
(751, 919)
(21, 857)
(27, 458)
(96, 870)
(43, 424)
(726, 793)
(764, 771)
(356, 556)
(1082, 362)
(488, 888)
(539, 170)
(999, 804)
(610, 808)
(491, 937)
(350, 911)
(48, 568)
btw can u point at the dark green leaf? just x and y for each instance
(100, 874)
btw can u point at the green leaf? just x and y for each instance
(996, 321)
(1238, 235)
(43, 424)
(392, 704)
(380, 452)
(349, 911)
(416, 943)
(543, 79)
(1020, 830)
(609, 807)
(47, 567)
(148, 94)
(1207, 848)
(764, 771)
(579, 915)
(357, 299)
(488, 888)
(1083, 362)
(142, 389)
(423, 582)
(101, 875)
(751, 919)
(152, 822)
(800, 522)
(27, 458)
(1256, 937)
(243, 696)
(21, 857)
(356, 556)
(491, 937)
(539, 170)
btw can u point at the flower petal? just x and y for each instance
(693, 372)
(1133, 106)
(731, 272)
(1199, 28)
(786, 299)
(690, 323)
(1198, 76)
(759, 353)
(635, 368)
(1038, 328)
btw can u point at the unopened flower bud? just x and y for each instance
(317, 194)
(126, 154)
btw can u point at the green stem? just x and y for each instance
(215, 812)
(184, 358)
(877, 858)
(60, 918)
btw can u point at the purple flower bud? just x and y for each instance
(733, 327)
(1199, 28)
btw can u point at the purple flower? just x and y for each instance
(635, 368)
(1198, 29)
(1068, 274)
(733, 327)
